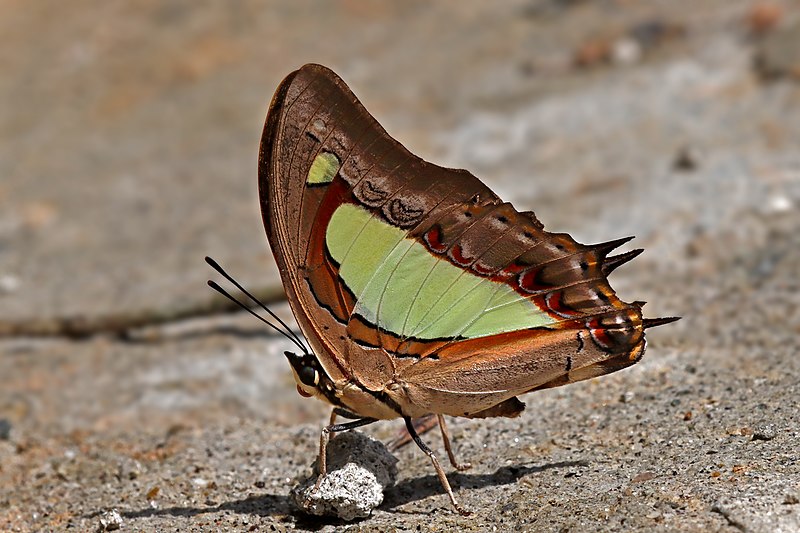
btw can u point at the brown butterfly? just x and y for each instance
(418, 290)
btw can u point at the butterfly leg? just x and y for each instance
(344, 413)
(422, 425)
(436, 465)
(446, 438)
(325, 437)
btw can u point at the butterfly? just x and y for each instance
(420, 292)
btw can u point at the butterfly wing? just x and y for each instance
(419, 290)
(321, 149)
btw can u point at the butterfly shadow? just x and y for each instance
(415, 489)
(260, 505)
(411, 490)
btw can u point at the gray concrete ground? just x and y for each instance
(128, 139)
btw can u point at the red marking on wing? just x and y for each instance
(555, 303)
(482, 269)
(598, 333)
(433, 238)
(529, 283)
(514, 268)
(457, 255)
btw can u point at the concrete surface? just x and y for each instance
(128, 141)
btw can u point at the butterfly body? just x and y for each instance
(419, 291)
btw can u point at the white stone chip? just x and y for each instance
(110, 521)
(360, 468)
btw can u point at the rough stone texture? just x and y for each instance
(110, 521)
(128, 152)
(360, 469)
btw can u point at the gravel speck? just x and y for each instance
(110, 521)
(764, 432)
(628, 397)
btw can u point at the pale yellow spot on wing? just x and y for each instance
(323, 169)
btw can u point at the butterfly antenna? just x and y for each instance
(225, 293)
(288, 333)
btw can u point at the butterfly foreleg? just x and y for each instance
(336, 411)
(344, 413)
(448, 448)
(436, 465)
(322, 460)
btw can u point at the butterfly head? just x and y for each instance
(307, 373)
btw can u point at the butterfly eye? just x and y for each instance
(308, 376)
(304, 368)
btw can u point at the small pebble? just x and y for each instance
(8, 284)
(686, 160)
(626, 51)
(764, 432)
(153, 492)
(779, 204)
(628, 397)
(110, 521)
(791, 498)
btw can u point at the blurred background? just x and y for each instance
(129, 134)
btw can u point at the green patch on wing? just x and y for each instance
(323, 169)
(401, 287)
